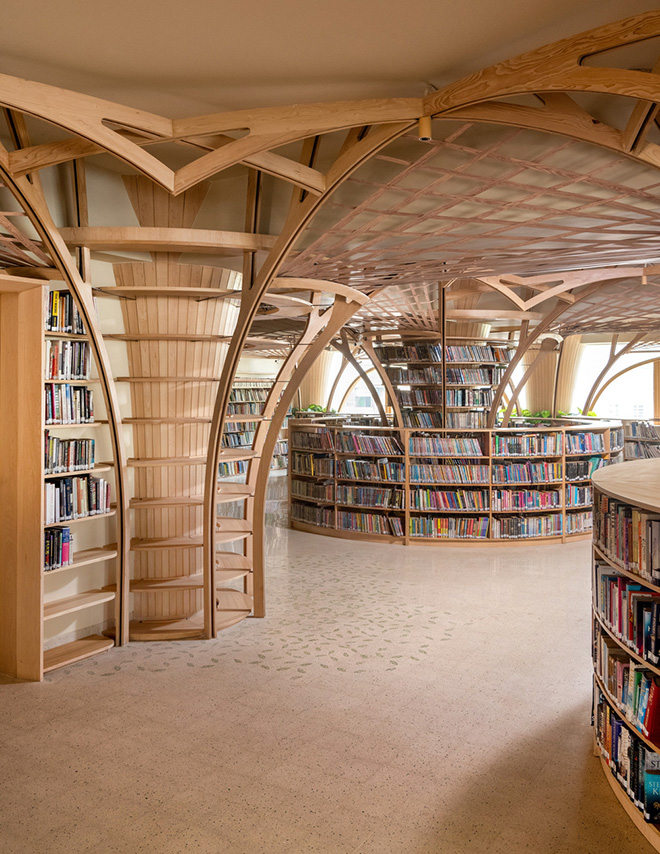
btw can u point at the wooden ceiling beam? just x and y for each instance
(165, 239)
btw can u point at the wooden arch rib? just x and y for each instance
(620, 374)
(344, 348)
(33, 203)
(358, 378)
(548, 345)
(357, 150)
(320, 331)
(614, 356)
(368, 348)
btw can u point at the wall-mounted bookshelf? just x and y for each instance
(626, 637)
(642, 439)
(244, 413)
(55, 494)
(409, 485)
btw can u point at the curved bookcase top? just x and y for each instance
(636, 482)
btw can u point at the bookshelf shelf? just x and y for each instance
(77, 650)
(86, 557)
(98, 469)
(61, 607)
(91, 517)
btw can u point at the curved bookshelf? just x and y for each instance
(448, 486)
(626, 637)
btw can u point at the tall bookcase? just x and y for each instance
(449, 387)
(32, 599)
(642, 439)
(626, 637)
(414, 486)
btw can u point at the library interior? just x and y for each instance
(330, 428)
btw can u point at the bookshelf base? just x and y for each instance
(649, 831)
(69, 653)
(308, 528)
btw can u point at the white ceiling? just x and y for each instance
(185, 58)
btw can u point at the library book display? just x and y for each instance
(626, 637)
(433, 485)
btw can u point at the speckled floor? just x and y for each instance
(393, 701)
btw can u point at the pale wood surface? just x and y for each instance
(60, 607)
(636, 482)
(69, 653)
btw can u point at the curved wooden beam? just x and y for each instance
(343, 347)
(614, 357)
(334, 319)
(352, 386)
(548, 345)
(335, 383)
(35, 207)
(141, 239)
(368, 348)
(620, 374)
(351, 157)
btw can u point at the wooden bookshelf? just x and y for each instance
(28, 595)
(625, 554)
(437, 509)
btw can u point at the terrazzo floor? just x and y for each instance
(393, 701)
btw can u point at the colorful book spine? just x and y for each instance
(58, 548)
(464, 500)
(450, 527)
(525, 499)
(524, 527)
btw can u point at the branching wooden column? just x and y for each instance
(570, 354)
(314, 387)
(175, 355)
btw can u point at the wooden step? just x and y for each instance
(180, 582)
(138, 544)
(167, 379)
(232, 560)
(164, 419)
(164, 630)
(177, 501)
(231, 607)
(135, 462)
(237, 488)
(87, 556)
(161, 293)
(60, 607)
(229, 497)
(68, 653)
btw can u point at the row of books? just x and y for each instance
(469, 420)
(70, 498)
(58, 548)
(454, 473)
(583, 469)
(525, 499)
(62, 455)
(641, 451)
(577, 443)
(361, 444)
(240, 426)
(632, 762)
(367, 470)
(233, 467)
(412, 418)
(578, 523)
(524, 527)
(410, 353)
(238, 440)
(633, 687)
(405, 376)
(445, 446)
(67, 360)
(369, 523)
(420, 397)
(479, 353)
(474, 376)
(449, 527)
(454, 499)
(630, 610)
(541, 472)
(628, 536)
(370, 496)
(322, 516)
(468, 396)
(530, 445)
(321, 440)
(248, 395)
(68, 404)
(312, 464)
(579, 495)
(61, 314)
(642, 430)
(245, 408)
(311, 489)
